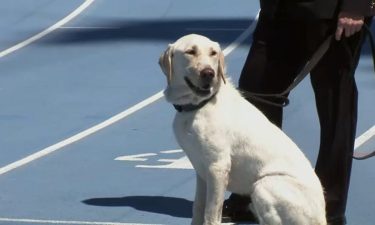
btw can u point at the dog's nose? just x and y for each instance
(207, 73)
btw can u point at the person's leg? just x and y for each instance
(274, 59)
(276, 56)
(336, 100)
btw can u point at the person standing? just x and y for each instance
(287, 34)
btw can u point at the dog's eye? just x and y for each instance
(191, 51)
(213, 53)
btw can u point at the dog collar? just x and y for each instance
(192, 107)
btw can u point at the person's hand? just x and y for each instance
(348, 24)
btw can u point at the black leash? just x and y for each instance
(315, 58)
(359, 155)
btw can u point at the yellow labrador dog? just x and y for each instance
(232, 145)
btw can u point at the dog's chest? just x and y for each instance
(197, 135)
(205, 141)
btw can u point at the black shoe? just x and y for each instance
(236, 209)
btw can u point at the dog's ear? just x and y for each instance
(165, 62)
(221, 69)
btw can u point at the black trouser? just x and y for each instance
(280, 48)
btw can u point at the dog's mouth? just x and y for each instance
(200, 91)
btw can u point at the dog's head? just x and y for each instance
(194, 66)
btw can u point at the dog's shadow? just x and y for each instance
(176, 207)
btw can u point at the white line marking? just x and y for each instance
(112, 120)
(182, 163)
(29, 221)
(167, 160)
(38, 36)
(81, 135)
(364, 137)
(139, 157)
(171, 151)
(242, 37)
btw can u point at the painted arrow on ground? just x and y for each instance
(176, 163)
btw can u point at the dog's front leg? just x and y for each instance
(199, 202)
(217, 181)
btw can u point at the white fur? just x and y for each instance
(234, 147)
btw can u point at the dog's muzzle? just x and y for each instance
(197, 90)
(204, 88)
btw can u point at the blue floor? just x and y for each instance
(101, 64)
